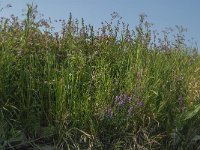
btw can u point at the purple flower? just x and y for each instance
(130, 110)
(56, 34)
(181, 101)
(130, 99)
(140, 104)
(116, 99)
(122, 102)
(125, 96)
(110, 112)
(180, 78)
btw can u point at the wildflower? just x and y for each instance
(125, 97)
(130, 110)
(180, 78)
(181, 101)
(116, 99)
(122, 101)
(56, 34)
(130, 99)
(140, 104)
(110, 113)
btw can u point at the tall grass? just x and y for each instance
(114, 88)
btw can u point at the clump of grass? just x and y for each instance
(114, 88)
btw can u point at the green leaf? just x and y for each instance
(192, 113)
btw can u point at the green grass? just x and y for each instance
(84, 89)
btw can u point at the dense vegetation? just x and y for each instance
(108, 89)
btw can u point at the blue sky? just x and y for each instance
(162, 13)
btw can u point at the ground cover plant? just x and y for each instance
(114, 88)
